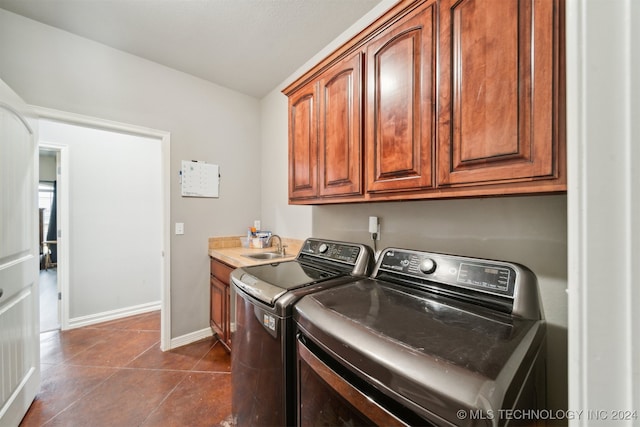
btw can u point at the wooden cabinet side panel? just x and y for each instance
(340, 128)
(303, 144)
(227, 323)
(496, 100)
(400, 104)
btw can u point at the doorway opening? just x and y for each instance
(48, 229)
(113, 233)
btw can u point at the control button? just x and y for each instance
(323, 248)
(428, 266)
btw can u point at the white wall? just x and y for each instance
(47, 168)
(603, 107)
(115, 216)
(51, 68)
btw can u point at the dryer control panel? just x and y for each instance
(354, 258)
(494, 277)
(332, 250)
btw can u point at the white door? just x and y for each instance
(19, 253)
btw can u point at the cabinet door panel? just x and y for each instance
(400, 112)
(303, 144)
(340, 132)
(486, 106)
(217, 307)
(496, 91)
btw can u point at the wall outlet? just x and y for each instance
(179, 227)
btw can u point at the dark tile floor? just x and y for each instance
(114, 374)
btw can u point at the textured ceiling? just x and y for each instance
(246, 45)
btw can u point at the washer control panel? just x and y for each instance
(335, 251)
(487, 276)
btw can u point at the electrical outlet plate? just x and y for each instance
(179, 227)
(374, 227)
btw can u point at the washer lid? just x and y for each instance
(267, 282)
(429, 350)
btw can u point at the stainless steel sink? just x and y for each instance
(264, 255)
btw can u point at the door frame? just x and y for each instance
(62, 232)
(164, 138)
(603, 208)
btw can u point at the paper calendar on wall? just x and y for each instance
(199, 179)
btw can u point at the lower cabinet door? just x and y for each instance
(217, 308)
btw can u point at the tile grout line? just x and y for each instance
(134, 368)
(204, 355)
(106, 335)
(187, 373)
(143, 352)
(116, 369)
(83, 395)
(164, 399)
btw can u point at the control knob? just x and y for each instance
(428, 266)
(323, 248)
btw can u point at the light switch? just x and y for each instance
(179, 227)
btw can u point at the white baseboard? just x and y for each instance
(190, 337)
(92, 319)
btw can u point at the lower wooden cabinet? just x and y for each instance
(220, 304)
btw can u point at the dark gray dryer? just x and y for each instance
(263, 355)
(430, 339)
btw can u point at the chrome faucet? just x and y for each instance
(280, 247)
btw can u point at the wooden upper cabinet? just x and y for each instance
(497, 107)
(340, 128)
(400, 104)
(303, 143)
(435, 99)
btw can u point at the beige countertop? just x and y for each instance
(230, 251)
